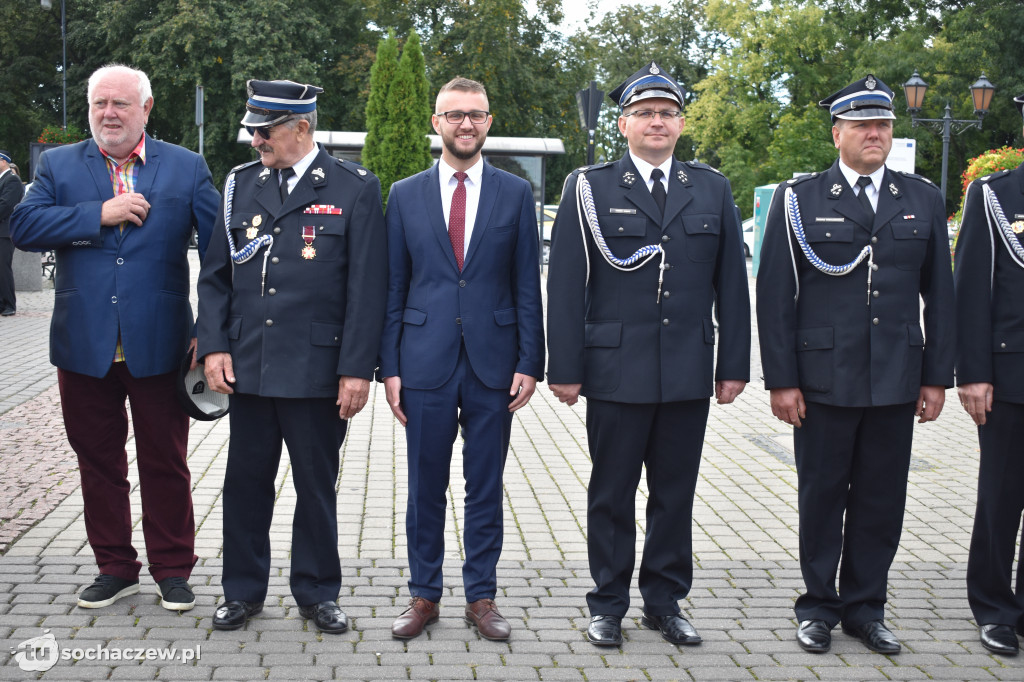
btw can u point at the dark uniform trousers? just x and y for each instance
(315, 316)
(859, 356)
(646, 361)
(990, 326)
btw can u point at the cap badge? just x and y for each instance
(654, 70)
(1018, 226)
(628, 177)
(836, 190)
(870, 83)
(318, 172)
(681, 174)
(894, 190)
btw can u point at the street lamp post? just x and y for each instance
(981, 94)
(48, 4)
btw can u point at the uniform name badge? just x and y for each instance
(308, 235)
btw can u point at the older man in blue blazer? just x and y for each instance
(463, 344)
(119, 210)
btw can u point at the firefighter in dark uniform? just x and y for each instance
(291, 307)
(989, 278)
(643, 248)
(846, 255)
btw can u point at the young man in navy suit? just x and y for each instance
(463, 345)
(119, 210)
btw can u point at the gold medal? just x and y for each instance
(308, 252)
(251, 233)
(1018, 226)
(257, 220)
(308, 235)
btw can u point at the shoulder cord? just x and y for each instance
(250, 249)
(796, 225)
(994, 213)
(588, 219)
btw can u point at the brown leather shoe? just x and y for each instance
(419, 615)
(483, 613)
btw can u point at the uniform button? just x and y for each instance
(668, 266)
(874, 240)
(829, 235)
(269, 323)
(458, 320)
(915, 231)
(462, 282)
(875, 293)
(277, 230)
(120, 261)
(1002, 345)
(667, 294)
(875, 321)
(664, 322)
(321, 228)
(275, 260)
(665, 238)
(705, 226)
(874, 266)
(622, 229)
(113, 299)
(271, 291)
(335, 338)
(805, 344)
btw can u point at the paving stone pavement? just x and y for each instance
(745, 552)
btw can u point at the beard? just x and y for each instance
(463, 154)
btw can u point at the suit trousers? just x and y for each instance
(997, 520)
(667, 438)
(434, 418)
(313, 433)
(852, 462)
(7, 297)
(96, 422)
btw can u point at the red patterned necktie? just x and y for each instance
(457, 219)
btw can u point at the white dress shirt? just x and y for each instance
(646, 168)
(448, 184)
(300, 167)
(876, 182)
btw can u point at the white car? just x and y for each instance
(748, 237)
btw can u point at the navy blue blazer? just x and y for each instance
(840, 343)
(989, 282)
(494, 305)
(106, 281)
(613, 334)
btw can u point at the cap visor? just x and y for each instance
(869, 112)
(653, 93)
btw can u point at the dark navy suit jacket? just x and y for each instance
(494, 304)
(840, 343)
(134, 282)
(989, 285)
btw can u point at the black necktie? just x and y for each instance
(285, 174)
(658, 189)
(863, 182)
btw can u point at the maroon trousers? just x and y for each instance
(96, 422)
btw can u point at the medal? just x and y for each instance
(1018, 226)
(257, 220)
(308, 235)
(251, 232)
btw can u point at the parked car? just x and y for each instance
(748, 237)
(546, 220)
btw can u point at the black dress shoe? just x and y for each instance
(605, 631)
(232, 615)
(999, 639)
(814, 636)
(875, 636)
(674, 628)
(327, 615)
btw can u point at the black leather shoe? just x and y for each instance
(814, 636)
(674, 628)
(232, 615)
(999, 639)
(327, 616)
(875, 636)
(605, 631)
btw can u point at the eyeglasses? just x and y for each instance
(266, 131)
(456, 117)
(648, 114)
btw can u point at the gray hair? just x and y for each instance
(309, 116)
(145, 90)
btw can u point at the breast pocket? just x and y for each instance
(243, 230)
(910, 244)
(330, 235)
(831, 241)
(702, 233)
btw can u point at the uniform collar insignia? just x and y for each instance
(628, 177)
(264, 174)
(362, 171)
(318, 176)
(681, 174)
(893, 189)
(836, 190)
(318, 172)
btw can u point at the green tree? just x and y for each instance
(382, 74)
(404, 147)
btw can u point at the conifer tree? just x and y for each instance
(381, 74)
